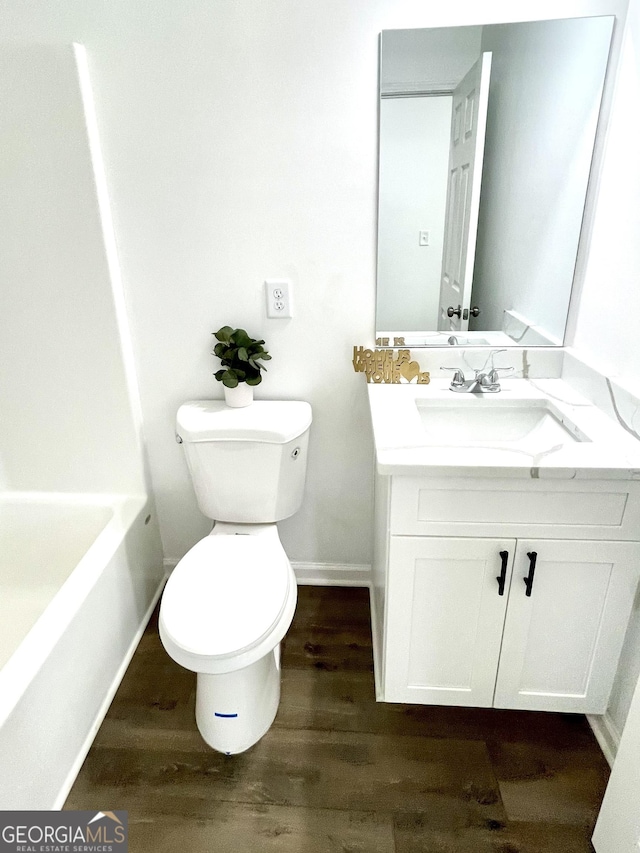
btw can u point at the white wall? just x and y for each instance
(66, 423)
(546, 83)
(240, 143)
(414, 159)
(603, 324)
(427, 59)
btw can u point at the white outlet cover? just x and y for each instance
(278, 299)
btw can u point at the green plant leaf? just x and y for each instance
(230, 379)
(224, 334)
(254, 380)
(256, 365)
(241, 338)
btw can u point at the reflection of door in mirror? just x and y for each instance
(544, 100)
(468, 125)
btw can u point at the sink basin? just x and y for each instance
(530, 429)
(531, 426)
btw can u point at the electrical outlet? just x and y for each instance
(278, 296)
(423, 238)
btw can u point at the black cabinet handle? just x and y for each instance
(504, 556)
(454, 312)
(528, 580)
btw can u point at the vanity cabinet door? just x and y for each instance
(445, 616)
(569, 606)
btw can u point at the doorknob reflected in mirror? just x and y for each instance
(470, 311)
(454, 312)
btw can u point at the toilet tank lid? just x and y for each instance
(271, 421)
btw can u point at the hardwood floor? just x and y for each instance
(338, 771)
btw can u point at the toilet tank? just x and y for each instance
(247, 465)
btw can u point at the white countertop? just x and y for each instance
(402, 447)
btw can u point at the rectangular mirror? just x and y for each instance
(486, 141)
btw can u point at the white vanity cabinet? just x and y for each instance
(455, 623)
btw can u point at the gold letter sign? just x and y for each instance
(380, 365)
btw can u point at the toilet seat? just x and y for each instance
(228, 602)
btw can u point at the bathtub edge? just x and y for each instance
(108, 699)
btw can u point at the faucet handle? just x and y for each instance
(491, 380)
(495, 373)
(458, 376)
(488, 362)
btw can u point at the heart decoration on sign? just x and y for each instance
(410, 369)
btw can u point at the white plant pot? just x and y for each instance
(238, 397)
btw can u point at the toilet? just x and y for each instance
(230, 600)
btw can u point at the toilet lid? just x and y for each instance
(225, 595)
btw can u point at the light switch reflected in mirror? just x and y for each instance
(486, 142)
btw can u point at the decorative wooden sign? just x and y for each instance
(383, 365)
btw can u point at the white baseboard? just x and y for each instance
(332, 574)
(320, 574)
(607, 735)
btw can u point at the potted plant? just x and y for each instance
(240, 356)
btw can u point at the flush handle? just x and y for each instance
(502, 577)
(528, 580)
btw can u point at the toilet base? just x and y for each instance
(235, 709)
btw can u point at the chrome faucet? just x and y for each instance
(452, 341)
(485, 381)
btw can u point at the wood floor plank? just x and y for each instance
(548, 784)
(331, 630)
(333, 606)
(419, 834)
(160, 694)
(333, 770)
(327, 649)
(267, 829)
(345, 701)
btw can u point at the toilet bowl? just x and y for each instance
(225, 609)
(230, 600)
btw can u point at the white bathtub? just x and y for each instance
(79, 577)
